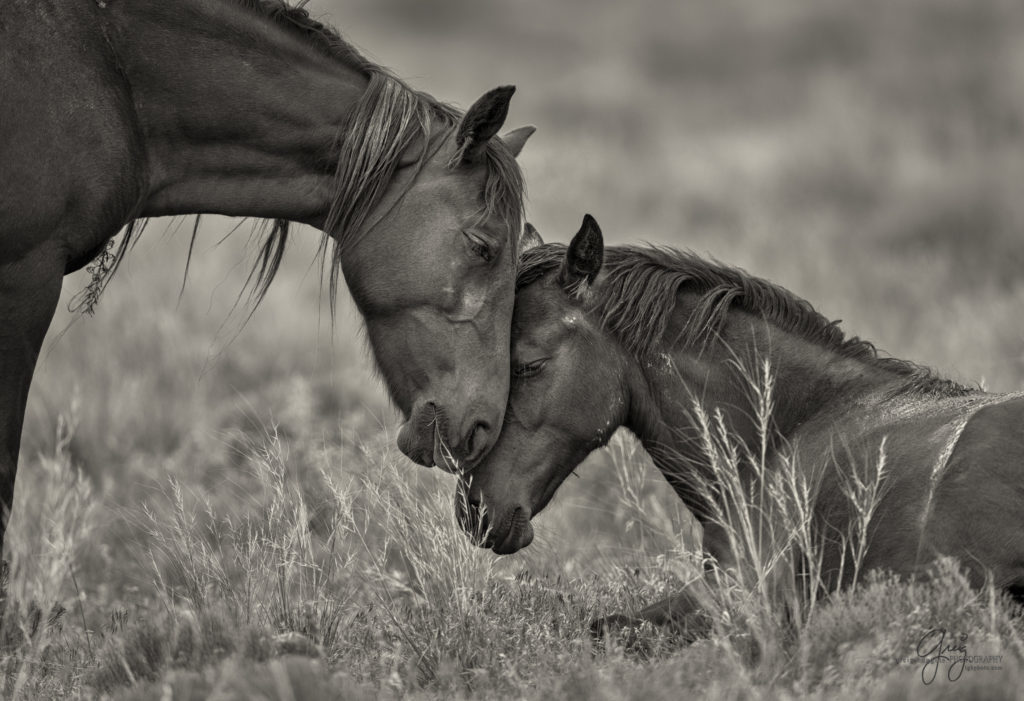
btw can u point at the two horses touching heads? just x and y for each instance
(267, 113)
(271, 114)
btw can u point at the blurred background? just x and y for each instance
(868, 156)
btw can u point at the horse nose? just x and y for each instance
(415, 437)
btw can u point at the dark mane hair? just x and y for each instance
(295, 18)
(638, 290)
(389, 117)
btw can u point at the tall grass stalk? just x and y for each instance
(764, 501)
(57, 518)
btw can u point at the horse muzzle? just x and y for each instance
(411, 443)
(422, 437)
(517, 534)
(503, 536)
(426, 438)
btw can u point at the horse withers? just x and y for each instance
(658, 341)
(115, 111)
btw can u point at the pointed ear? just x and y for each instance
(516, 139)
(531, 238)
(481, 122)
(584, 257)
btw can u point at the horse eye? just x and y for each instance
(479, 246)
(529, 369)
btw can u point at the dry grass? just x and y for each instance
(244, 525)
(343, 576)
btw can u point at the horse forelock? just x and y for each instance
(389, 118)
(639, 291)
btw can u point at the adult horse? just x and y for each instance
(661, 342)
(114, 110)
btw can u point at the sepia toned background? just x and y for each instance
(868, 156)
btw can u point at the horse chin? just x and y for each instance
(520, 534)
(549, 492)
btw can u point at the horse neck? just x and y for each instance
(665, 388)
(237, 114)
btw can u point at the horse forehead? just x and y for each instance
(452, 187)
(543, 320)
(536, 305)
(455, 203)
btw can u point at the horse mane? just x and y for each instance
(295, 18)
(639, 288)
(388, 118)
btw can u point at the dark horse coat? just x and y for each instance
(113, 111)
(667, 345)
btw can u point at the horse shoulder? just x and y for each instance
(68, 131)
(898, 444)
(979, 501)
(991, 444)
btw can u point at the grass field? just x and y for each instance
(207, 506)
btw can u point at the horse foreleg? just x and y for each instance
(29, 291)
(685, 614)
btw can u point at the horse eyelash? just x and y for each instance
(480, 248)
(521, 372)
(483, 251)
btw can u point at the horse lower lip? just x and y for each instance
(438, 458)
(441, 456)
(505, 547)
(510, 543)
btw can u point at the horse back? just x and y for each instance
(70, 152)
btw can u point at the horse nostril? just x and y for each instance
(416, 437)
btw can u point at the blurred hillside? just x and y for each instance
(868, 155)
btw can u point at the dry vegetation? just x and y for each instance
(210, 506)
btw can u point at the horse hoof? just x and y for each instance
(624, 630)
(602, 628)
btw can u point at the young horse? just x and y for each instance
(639, 337)
(113, 111)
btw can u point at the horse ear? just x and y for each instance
(584, 257)
(516, 139)
(481, 122)
(531, 238)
